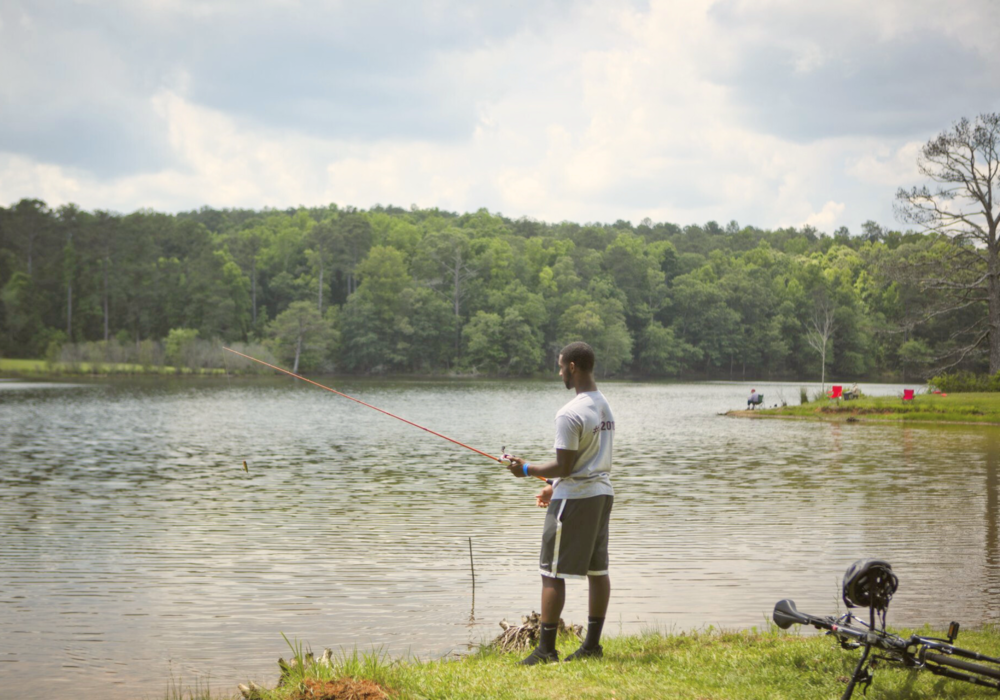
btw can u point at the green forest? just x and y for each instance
(393, 290)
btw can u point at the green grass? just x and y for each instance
(35, 368)
(954, 408)
(751, 665)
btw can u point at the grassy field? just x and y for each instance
(953, 408)
(748, 665)
(42, 368)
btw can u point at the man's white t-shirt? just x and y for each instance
(586, 424)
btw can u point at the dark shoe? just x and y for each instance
(585, 653)
(539, 657)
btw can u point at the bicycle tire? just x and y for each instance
(968, 666)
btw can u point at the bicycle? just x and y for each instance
(870, 583)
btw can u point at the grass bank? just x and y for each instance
(44, 368)
(935, 408)
(751, 665)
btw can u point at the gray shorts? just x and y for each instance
(575, 539)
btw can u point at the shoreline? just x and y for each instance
(44, 369)
(924, 409)
(748, 664)
(854, 418)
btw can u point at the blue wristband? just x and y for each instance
(526, 465)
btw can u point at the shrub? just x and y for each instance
(235, 363)
(958, 382)
(151, 354)
(178, 342)
(55, 345)
(96, 352)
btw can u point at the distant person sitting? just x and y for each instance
(853, 393)
(755, 399)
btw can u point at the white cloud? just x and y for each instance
(882, 165)
(678, 111)
(427, 175)
(23, 178)
(216, 161)
(826, 219)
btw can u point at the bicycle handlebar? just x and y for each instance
(785, 615)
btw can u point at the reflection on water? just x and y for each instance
(135, 546)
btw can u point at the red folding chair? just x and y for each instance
(836, 392)
(907, 394)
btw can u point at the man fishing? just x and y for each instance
(578, 500)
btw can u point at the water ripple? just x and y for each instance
(137, 548)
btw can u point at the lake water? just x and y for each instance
(136, 549)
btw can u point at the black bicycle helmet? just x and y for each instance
(869, 583)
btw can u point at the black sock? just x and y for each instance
(594, 627)
(547, 638)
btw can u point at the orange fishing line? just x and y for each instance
(392, 415)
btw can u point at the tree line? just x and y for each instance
(423, 290)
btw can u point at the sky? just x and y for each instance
(767, 112)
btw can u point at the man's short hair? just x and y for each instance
(580, 354)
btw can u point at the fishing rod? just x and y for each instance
(503, 461)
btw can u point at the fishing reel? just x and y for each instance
(504, 457)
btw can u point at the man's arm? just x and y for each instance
(559, 468)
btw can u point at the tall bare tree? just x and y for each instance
(820, 331)
(69, 216)
(964, 209)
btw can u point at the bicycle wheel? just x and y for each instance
(967, 666)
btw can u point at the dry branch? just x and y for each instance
(526, 635)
